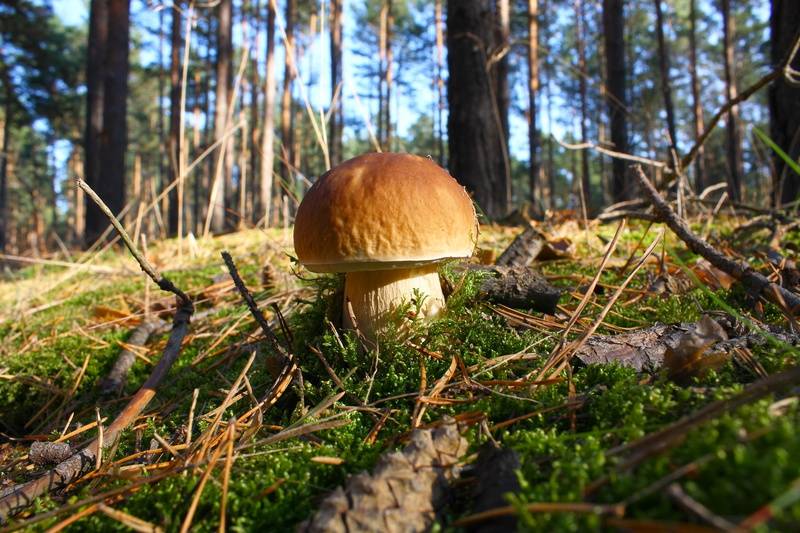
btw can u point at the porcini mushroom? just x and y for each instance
(386, 220)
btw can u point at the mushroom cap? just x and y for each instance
(380, 211)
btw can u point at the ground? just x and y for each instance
(62, 328)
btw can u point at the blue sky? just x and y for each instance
(315, 64)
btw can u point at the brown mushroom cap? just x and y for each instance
(380, 211)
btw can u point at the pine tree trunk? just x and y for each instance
(255, 90)
(474, 136)
(502, 46)
(174, 143)
(697, 106)
(614, 37)
(107, 91)
(735, 164)
(336, 120)
(439, 21)
(533, 88)
(4, 214)
(268, 123)
(389, 76)
(287, 143)
(666, 86)
(221, 104)
(583, 89)
(784, 100)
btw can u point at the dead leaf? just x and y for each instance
(712, 276)
(693, 355)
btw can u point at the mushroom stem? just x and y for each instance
(375, 294)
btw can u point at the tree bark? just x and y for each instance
(666, 86)
(255, 90)
(614, 37)
(533, 89)
(174, 143)
(502, 47)
(287, 142)
(268, 123)
(222, 169)
(4, 213)
(583, 89)
(784, 99)
(734, 152)
(336, 121)
(474, 136)
(697, 106)
(107, 90)
(438, 20)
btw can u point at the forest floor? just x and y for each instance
(685, 431)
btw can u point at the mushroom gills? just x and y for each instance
(375, 294)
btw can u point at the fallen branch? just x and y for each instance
(753, 281)
(72, 469)
(116, 378)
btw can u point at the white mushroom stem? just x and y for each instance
(375, 294)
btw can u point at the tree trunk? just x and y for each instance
(533, 88)
(222, 176)
(474, 136)
(268, 123)
(336, 120)
(255, 90)
(287, 143)
(666, 86)
(439, 21)
(784, 99)
(586, 189)
(614, 37)
(4, 213)
(735, 164)
(697, 106)
(107, 91)
(502, 47)
(174, 143)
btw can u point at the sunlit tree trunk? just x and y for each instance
(439, 21)
(287, 141)
(336, 121)
(255, 90)
(221, 103)
(502, 47)
(533, 89)
(580, 16)
(268, 123)
(697, 106)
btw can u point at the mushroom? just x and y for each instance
(387, 221)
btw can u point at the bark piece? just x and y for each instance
(45, 453)
(404, 492)
(519, 287)
(496, 475)
(116, 378)
(524, 249)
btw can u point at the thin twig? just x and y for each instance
(163, 283)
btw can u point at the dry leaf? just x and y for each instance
(693, 355)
